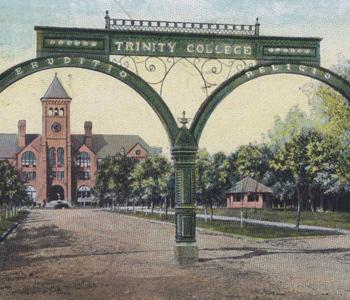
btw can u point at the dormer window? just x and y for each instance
(83, 159)
(28, 159)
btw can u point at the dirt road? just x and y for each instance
(91, 254)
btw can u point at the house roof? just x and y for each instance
(107, 144)
(249, 185)
(56, 91)
(103, 144)
(9, 146)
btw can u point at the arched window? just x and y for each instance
(31, 192)
(56, 111)
(84, 192)
(50, 111)
(28, 159)
(61, 112)
(60, 156)
(83, 159)
(52, 156)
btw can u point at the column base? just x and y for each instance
(186, 253)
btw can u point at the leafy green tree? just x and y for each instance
(150, 179)
(285, 129)
(252, 160)
(305, 157)
(12, 188)
(114, 179)
(213, 178)
(202, 164)
(331, 112)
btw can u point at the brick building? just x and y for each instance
(59, 165)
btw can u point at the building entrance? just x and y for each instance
(56, 193)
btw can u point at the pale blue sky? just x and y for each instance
(327, 19)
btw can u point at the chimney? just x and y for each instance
(88, 134)
(21, 133)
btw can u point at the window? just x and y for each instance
(252, 197)
(50, 111)
(122, 151)
(29, 176)
(84, 175)
(61, 113)
(60, 156)
(99, 163)
(83, 159)
(52, 156)
(31, 192)
(55, 112)
(84, 192)
(28, 159)
(52, 174)
(60, 175)
(138, 152)
(237, 197)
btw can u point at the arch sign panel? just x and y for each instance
(176, 39)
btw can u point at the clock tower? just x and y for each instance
(56, 143)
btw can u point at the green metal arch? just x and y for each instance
(326, 76)
(29, 67)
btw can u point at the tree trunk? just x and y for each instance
(297, 223)
(166, 208)
(335, 206)
(322, 202)
(152, 207)
(211, 211)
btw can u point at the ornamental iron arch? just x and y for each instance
(324, 75)
(116, 71)
(59, 47)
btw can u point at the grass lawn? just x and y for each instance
(6, 224)
(335, 220)
(250, 230)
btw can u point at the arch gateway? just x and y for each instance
(209, 48)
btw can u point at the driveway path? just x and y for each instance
(93, 254)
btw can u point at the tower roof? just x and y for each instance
(56, 90)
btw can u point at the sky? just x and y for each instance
(241, 118)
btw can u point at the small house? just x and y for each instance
(248, 193)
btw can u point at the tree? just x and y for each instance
(202, 164)
(114, 178)
(214, 174)
(12, 188)
(252, 160)
(150, 179)
(305, 157)
(284, 130)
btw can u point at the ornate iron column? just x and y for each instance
(184, 154)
